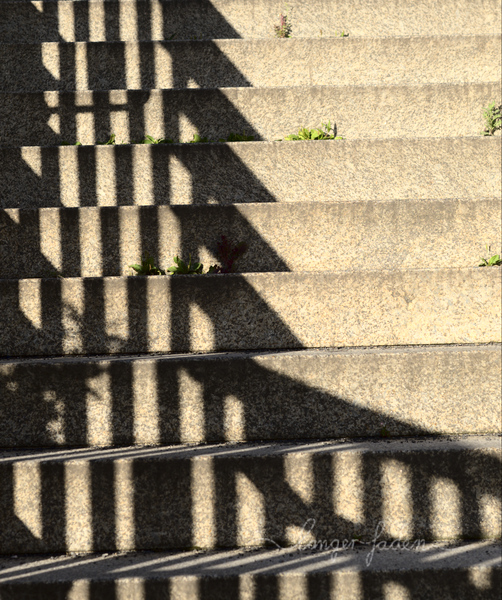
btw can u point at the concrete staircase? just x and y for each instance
(323, 424)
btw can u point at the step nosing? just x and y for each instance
(245, 89)
(230, 355)
(410, 445)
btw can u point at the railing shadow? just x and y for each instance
(157, 498)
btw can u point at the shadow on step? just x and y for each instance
(157, 498)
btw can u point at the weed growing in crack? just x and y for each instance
(284, 29)
(147, 266)
(148, 139)
(228, 254)
(493, 119)
(324, 132)
(182, 268)
(493, 261)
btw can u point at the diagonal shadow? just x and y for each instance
(163, 495)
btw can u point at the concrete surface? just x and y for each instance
(393, 169)
(249, 495)
(204, 313)
(100, 401)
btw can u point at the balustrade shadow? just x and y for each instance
(48, 406)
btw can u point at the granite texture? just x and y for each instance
(194, 313)
(110, 21)
(280, 237)
(365, 111)
(249, 63)
(397, 169)
(250, 396)
(437, 570)
(249, 495)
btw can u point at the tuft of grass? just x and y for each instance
(53, 275)
(237, 137)
(147, 266)
(182, 268)
(341, 33)
(151, 140)
(110, 142)
(324, 132)
(384, 432)
(493, 119)
(197, 139)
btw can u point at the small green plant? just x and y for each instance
(182, 268)
(493, 119)
(384, 432)
(342, 33)
(110, 142)
(318, 133)
(284, 29)
(147, 266)
(151, 140)
(53, 275)
(237, 137)
(494, 261)
(197, 139)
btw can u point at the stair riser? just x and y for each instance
(268, 113)
(171, 400)
(249, 63)
(141, 502)
(249, 311)
(110, 21)
(260, 172)
(280, 237)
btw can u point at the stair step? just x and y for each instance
(53, 21)
(307, 236)
(436, 570)
(247, 495)
(238, 397)
(249, 63)
(348, 170)
(366, 111)
(249, 311)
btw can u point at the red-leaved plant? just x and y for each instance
(227, 255)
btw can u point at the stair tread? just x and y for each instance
(224, 19)
(37, 242)
(248, 63)
(265, 113)
(376, 169)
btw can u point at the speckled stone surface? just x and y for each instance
(88, 21)
(433, 570)
(242, 496)
(250, 396)
(366, 357)
(365, 111)
(280, 237)
(249, 311)
(249, 63)
(397, 169)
